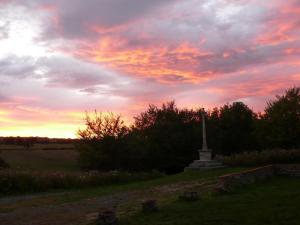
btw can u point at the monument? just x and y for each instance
(205, 160)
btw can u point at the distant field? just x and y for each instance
(39, 147)
(41, 160)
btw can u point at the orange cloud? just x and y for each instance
(164, 62)
(283, 27)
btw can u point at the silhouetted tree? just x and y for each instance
(280, 124)
(236, 128)
(169, 136)
(100, 125)
(102, 142)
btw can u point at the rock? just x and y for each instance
(149, 206)
(107, 217)
(91, 217)
(189, 196)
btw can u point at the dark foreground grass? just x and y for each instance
(144, 185)
(272, 202)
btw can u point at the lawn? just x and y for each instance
(272, 202)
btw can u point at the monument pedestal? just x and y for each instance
(205, 163)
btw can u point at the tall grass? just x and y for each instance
(263, 158)
(13, 181)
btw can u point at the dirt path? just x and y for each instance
(63, 214)
(13, 199)
(76, 213)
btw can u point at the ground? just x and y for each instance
(275, 201)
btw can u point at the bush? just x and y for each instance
(263, 158)
(3, 164)
(12, 181)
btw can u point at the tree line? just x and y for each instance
(166, 138)
(35, 140)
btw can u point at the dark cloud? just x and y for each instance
(248, 58)
(57, 71)
(67, 72)
(4, 29)
(84, 19)
(13, 66)
(3, 98)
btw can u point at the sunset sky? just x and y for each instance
(59, 58)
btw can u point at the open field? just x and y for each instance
(41, 160)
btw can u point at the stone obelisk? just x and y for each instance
(204, 153)
(205, 160)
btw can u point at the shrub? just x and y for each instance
(3, 164)
(263, 158)
(12, 181)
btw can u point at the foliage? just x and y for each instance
(168, 136)
(3, 164)
(161, 138)
(263, 158)
(231, 128)
(100, 126)
(102, 142)
(280, 125)
(13, 181)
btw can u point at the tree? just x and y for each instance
(169, 136)
(236, 128)
(281, 121)
(102, 142)
(101, 125)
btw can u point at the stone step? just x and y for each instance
(204, 165)
(202, 168)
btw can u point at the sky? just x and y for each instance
(60, 58)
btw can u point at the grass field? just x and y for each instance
(41, 160)
(273, 202)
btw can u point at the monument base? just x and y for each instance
(205, 162)
(204, 165)
(205, 155)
